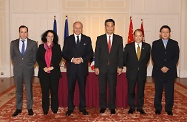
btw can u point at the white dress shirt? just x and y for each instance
(136, 46)
(21, 43)
(111, 38)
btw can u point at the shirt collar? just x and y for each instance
(75, 35)
(109, 35)
(165, 40)
(140, 44)
(22, 39)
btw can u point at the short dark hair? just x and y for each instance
(138, 30)
(44, 35)
(23, 26)
(109, 20)
(165, 26)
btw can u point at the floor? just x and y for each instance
(6, 83)
(7, 106)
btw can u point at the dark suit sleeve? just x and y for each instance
(154, 53)
(89, 51)
(58, 57)
(148, 53)
(40, 57)
(172, 64)
(120, 53)
(12, 51)
(125, 55)
(65, 51)
(97, 52)
(35, 46)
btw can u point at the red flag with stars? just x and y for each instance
(130, 35)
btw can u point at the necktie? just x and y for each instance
(77, 41)
(109, 44)
(165, 44)
(138, 52)
(23, 47)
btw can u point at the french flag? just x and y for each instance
(92, 64)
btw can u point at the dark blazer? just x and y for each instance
(162, 56)
(131, 61)
(55, 61)
(70, 51)
(27, 61)
(102, 56)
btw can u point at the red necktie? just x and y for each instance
(109, 45)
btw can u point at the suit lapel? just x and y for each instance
(142, 51)
(17, 46)
(134, 50)
(105, 42)
(113, 43)
(28, 46)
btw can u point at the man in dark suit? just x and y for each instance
(77, 51)
(23, 54)
(108, 63)
(165, 55)
(136, 56)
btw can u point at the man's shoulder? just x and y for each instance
(146, 44)
(14, 41)
(116, 35)
(85, 36)
(173, 41)
(102, 36)
(157, 41)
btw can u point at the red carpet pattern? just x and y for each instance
(7, 107)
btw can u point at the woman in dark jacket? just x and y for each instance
(49, 58)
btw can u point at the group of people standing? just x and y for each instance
(110, 57)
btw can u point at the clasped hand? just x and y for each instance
(48, 69)
(164, 69)
(77, 60)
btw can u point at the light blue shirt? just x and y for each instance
(165, 42)
(20, 44)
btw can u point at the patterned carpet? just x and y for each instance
(7, 107)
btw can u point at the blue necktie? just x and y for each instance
(23, 47)
(77, 41)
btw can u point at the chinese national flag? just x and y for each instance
(142, 28)
(130, 35)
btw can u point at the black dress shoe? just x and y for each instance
(112, 111)
(69, 112)
(30, 112)
(131, 111)
(141, 111)
(45, 113)
(170, 113)
(18, 111)
(84, 112)
(102, 110)
(157, 112)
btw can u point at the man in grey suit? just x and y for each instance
(23, 54)
(108, 63)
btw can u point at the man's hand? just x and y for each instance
(77, 60)
(164, 69)
(97, 71)
(119, 71)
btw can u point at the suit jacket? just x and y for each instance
(102, 56)
(26, 63)
(55, 61)
(84, 51)
(162, 56)
(133, 65)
